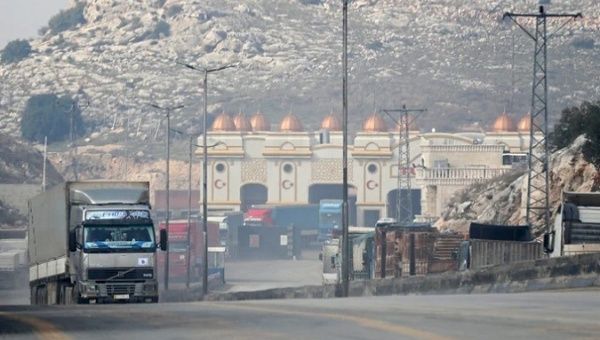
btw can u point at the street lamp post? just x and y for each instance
(345, 243)
(206, 71)
(168, 147)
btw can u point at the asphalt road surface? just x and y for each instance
(548, 315)
(266, 274)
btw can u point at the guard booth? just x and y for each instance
(216, 264)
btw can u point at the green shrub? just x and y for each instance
(576, 121)
(591, 148)
(47, 115)
(174, 10)
(15, 51)
(67, 19)
(570, 126)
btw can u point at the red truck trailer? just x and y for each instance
(177, 235)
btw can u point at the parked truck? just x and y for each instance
(178, 247)
(576, 228)
(304, 218)
(490, 245)
(330, 218)
(93, 242)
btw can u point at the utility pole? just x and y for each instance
(345, 217)
(404, 209)
(189, 214)
(168, 151)
(538, 181)
(44, 165)
(206, 71)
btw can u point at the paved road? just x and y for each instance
(266, 274)
(555, 315)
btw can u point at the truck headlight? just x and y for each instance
(149, 288)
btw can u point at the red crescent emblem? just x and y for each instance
(219, 184)
(286, 184)
(372, 185)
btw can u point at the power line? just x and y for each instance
(404, 209)
(538, 184)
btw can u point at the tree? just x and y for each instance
(570, 126)
(67, 19)
(591, 148)
(48, 115)
(15, 51)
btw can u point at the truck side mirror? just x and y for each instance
(72, 241)
(163, 239)
(549, 242)
(320, 256)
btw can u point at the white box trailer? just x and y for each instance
(576, 228)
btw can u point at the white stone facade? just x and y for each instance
(288, 164)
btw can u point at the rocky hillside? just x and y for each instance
(21, 163)
(501, 200)
(451, 56)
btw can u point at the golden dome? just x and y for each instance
(525, 123)
(242, 123)
(223, 123)
(290, 123)
(503, 123)
(331, 123)
(259, 122)
(374, 124)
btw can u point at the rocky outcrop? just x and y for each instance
(502, 200)
(451, 56)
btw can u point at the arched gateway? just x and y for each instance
(292, 166)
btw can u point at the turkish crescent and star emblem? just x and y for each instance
(371, 185)
(219, 184)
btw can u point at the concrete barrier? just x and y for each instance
(544, 274)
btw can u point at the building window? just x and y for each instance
(288, 168)
(220, 167)
(372, 168)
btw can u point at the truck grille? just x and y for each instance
(113, 289)
(120, 274)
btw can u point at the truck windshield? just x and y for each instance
(330, 221)
(101, 238)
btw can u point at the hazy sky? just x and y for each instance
(21, 19)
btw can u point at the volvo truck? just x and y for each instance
(93, 242)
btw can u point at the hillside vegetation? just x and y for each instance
(450, 56)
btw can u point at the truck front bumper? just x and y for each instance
(119, 291)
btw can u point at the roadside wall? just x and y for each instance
(544, 274)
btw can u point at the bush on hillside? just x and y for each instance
(576, 121)
(591, 148)
(48, 115)
(15, 51)
(67, 19)
(570, 126)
